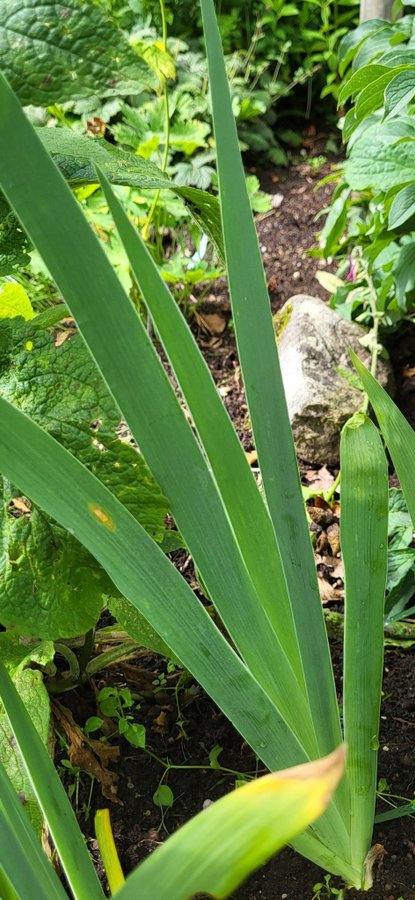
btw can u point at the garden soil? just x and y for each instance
(183, 725)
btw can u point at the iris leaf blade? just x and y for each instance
(51, 796)
(117, 340)
(266, 399)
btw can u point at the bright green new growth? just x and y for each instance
(254, 557)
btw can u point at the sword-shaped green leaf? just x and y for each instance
(364, 539)
(266, 399)
(51, 796)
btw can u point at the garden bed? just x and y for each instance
(184, 726)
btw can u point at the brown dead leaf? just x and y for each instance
(20, 506)
(322, 517)
(328, 593)
(319, 481)
(333, 538)
(334, 564)
(408, 371)
(61, 337)
(96, 126)
(211, 323)
(251, 456)
(90, 755)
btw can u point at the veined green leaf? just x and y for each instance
(403, 207)
(399, 92)
(14, 302)
(77, 156)
(359, 80)
(364, 537)
(60, 388)
(372, 96)
(221, 846)
(405, 273)
(266, 398)
(59, 51)
(377, 161)
(51, 796)
(113, 331)
(14, 245)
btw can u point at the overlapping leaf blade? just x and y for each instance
(117, 339)
(24, 868)
(221, 846)
(51, 796)
(266, 398)
(143, 574)
(244, 504)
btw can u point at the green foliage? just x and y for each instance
(59, 51)
(63, 593)
(18, 658)
(370, 226)
(14, 244)
(272, 674)
(118, 704)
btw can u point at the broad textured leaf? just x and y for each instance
(372, 96)
(77, 156)
(378, 162)
(351, 41)
(403, 206)
(359, 80)
(66, 49)
(14, 302)
(399, 92)
(14, 244)
(51, 586)
(221, 846)
(16, 657)
(400, 528)
(404, 272)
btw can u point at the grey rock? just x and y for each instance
(313, 343)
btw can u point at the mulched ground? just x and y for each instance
(184, 727)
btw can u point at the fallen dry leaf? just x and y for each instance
(408, 372)
(61, 337)
(333, 538)
(319, 481)
(211, 323)
(251, 456)
(328, 593)
(90, 755)
(20, 506)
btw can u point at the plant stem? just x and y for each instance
(110, 656)
(400, 634)
(163, 82)
(375, 334)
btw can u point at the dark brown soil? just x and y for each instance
(184, 727)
